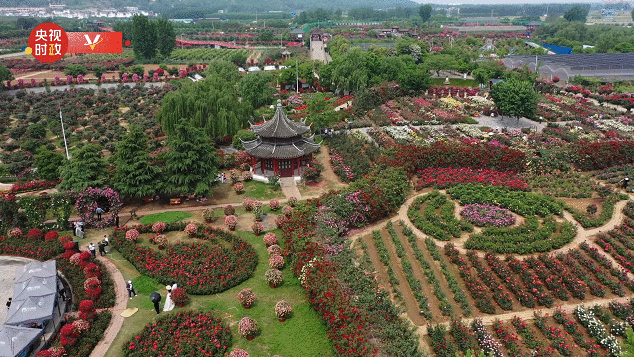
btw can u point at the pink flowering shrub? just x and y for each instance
(274, 277)
(248, 204)
(274, 249)
(274, 205)
(292, 201)
(287, 211)
(257, 228)
(15, 233)
(239, 353)
(158, 227)
(132, 234)
(229, 210)
(246, 297)
(248, 327)
(238, 187)
(231, 221)
(191, 229)
(283, 309)
(276, 261)
(270, 238)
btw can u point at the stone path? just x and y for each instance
(289, 187)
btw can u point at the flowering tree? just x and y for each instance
(246, 297)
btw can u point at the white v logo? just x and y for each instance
(90, 43)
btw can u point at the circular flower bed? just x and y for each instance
(189, 334)
(216, 262)
(487, 215)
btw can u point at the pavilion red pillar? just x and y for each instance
(262, 166)
(275, 167)
(299, 165)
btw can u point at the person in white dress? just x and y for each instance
(169, 303)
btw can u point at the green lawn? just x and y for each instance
(303, 335)
(455, 82)
(167, 217)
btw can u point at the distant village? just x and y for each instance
(60, 10)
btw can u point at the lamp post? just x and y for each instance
(182, 41)
(64, 133)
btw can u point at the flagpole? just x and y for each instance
(64, 133)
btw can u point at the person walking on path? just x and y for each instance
(91, 247)
(99, 212)
(130, 289)
(626, 182)
(106, 244)
(102, 250)
(9, 303)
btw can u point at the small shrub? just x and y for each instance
(274, 205)
(283, 309)
(248, 327)
(276, 261)
(191, 229)
(274, 249)
(292, 201)
(287, 211)
(15, 233)
(248, 204)
(246, 297)
(247, 176)
(51, 236)
(132, 234)
(238, 187)
(158, 227)
(229, 210)
(270, 239)
(209, 214)
(231, 222)
(257, 228)
(239, 353)
(180, 297)
(274, 277)
(592, 209)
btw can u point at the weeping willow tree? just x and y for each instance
(211, 104)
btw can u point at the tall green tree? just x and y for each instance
(134, 175)
(515, 98)
(632, 14)
(166, 37)
(143, 37)
(86, 168)
(5, 73)
(425, 12)
(577, 13)
(414, 79)
(47, 163)
(191, 164)
(211, 104)
(255, 88)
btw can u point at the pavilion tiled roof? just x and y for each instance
(280, 126)
(273, 150)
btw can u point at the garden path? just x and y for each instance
(121, 303)
(289, 188)
(33, 74)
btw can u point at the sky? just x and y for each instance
(504, 2)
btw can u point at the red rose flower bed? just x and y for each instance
(446, 177)
(202, 268)
(186, 334)
(34, 185)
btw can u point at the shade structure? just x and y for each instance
(33, 309)
(15, 341)
(36, 269)
(35, 286)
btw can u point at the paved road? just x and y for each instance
(9, 55)
(88, 86)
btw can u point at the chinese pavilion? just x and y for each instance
(281, 147)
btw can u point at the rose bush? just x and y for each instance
(248, 327)
(274, 277)
(246, 297)
(203, 267)
(190, 333)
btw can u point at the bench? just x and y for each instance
(175, 201)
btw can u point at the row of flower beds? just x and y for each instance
(201, 268)
(345, 296)
(619, 242)
(33, 185)
(526, 239)
(350, 157)
(615, 175)
(444, 177)
(437, 217)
